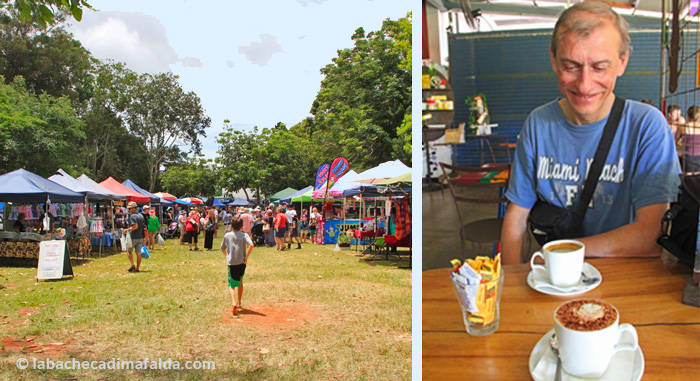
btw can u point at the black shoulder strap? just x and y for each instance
(601, 154)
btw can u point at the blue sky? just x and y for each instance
(254, 63)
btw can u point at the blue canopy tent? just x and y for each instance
(132, 185)
(217, 202)
(24, 186)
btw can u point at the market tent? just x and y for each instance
(131, 195)
(165, 196)
(308, 197)
(305, 197)
(68, 181)
(132, 185)
(239, 202)
(404, 179)
(99, 188)
(282, 194)
(297, 193)
(191, 200)
(383, 171)
(24, 186)
(218, 203)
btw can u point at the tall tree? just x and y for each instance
(104, 149)
(45, 12)
(366, 95)
(165, 118)
(50, 60)
(36, 133)
(195, 177)
(243, 159)
(264, 161)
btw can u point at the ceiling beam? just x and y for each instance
(530, 10)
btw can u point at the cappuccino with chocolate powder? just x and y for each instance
(586, 315)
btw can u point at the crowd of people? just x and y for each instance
(265, 223)
(687, 136)
(239, 239)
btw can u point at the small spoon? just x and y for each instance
(555, 349)
(587, 279)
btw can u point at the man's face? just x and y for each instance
(587, 68)
(675, 114)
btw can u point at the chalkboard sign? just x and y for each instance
(53, 261)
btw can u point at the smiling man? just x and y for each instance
(590, 49)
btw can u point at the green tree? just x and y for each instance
(243, 159)
(45, 12)
(264, 161)
(50, 61)
(365, 97)
(37, 133)
(164, 118)
(195, 177)
(105, 148)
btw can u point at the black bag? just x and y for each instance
(680, 223)
(549, 222)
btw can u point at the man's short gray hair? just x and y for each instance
(571, 22)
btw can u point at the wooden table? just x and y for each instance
(646, 292)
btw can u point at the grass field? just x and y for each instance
(309, 314)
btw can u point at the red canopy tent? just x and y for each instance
(166, 196)
(131, 195)
(192, 200)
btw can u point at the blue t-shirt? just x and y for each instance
(553, 155)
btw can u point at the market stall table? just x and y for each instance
(646, 291)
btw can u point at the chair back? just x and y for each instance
(473, 190)
(476, 185)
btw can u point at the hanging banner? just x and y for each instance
(338, 168)
(321, 176)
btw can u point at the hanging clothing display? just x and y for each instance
(82, 223)
(403, 218)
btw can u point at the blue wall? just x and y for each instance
(514, 71)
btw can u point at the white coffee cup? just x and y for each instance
(563, 261)
(587, 354)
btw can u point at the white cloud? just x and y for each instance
(260, 53)
(131, 37)
(191, 62)
(306, 2)
(230, 64)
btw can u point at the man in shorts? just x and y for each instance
(233, 246)
(135, 230)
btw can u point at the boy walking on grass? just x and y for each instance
(234, 246)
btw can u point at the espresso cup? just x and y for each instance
(563, 261)
(588, 334)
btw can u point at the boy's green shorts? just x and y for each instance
(238, 271)
(233, 283)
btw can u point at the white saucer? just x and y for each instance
(539, 281)
(625, 365)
